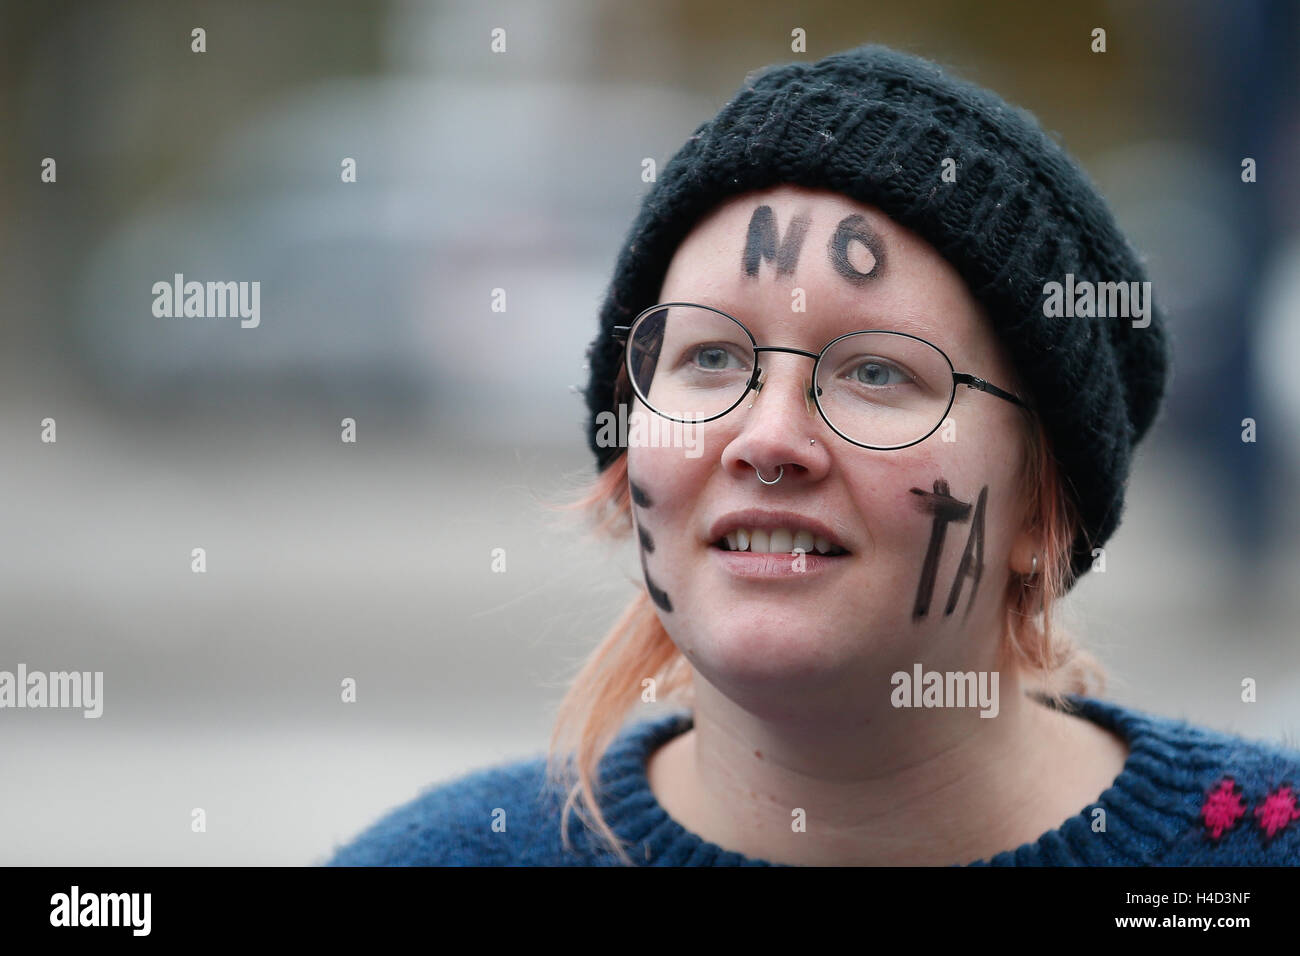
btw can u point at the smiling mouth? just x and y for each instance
(777, 541)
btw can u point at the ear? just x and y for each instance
(1023, 550)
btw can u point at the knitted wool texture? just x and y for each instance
(876, 125)
(1187, 796)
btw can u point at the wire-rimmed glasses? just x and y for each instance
(875, 388)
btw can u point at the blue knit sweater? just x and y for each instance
(1187, 796)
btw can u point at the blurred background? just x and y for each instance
(519, 171)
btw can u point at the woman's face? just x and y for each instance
(930, 530)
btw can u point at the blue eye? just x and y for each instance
(877, 374)
(711, 357)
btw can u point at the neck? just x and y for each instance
(907, 786)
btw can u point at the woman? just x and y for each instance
(896, 446)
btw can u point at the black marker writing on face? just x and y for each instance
(972, 559)
(761, 242)
(945, 509)
(639, 497)
(657, 594)
(854, 229)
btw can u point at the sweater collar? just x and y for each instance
(1145, 806)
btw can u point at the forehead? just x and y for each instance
(761, 255)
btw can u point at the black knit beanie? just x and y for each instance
(877, 125)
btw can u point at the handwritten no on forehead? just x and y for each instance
(853, 249)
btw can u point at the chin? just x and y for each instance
(765, 646)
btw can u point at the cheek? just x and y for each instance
(903, 496)
(938, 521)
(664, 486)
(670, 464)
(890, 494)
(920, 509)
(669, 480)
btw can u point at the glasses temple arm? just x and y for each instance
(962, 378)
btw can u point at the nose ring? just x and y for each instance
(779, 473)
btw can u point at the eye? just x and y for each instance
(712, 357)
(879, 373)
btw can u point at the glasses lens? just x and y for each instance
(884, 389)
(689, 363)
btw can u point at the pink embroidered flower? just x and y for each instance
(1223, 807)
(1277, 810)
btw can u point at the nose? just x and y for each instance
(780, 424)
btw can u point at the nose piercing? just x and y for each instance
(781, 468)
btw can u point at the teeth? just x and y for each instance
(778, 541)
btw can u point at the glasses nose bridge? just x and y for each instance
(809, 398)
